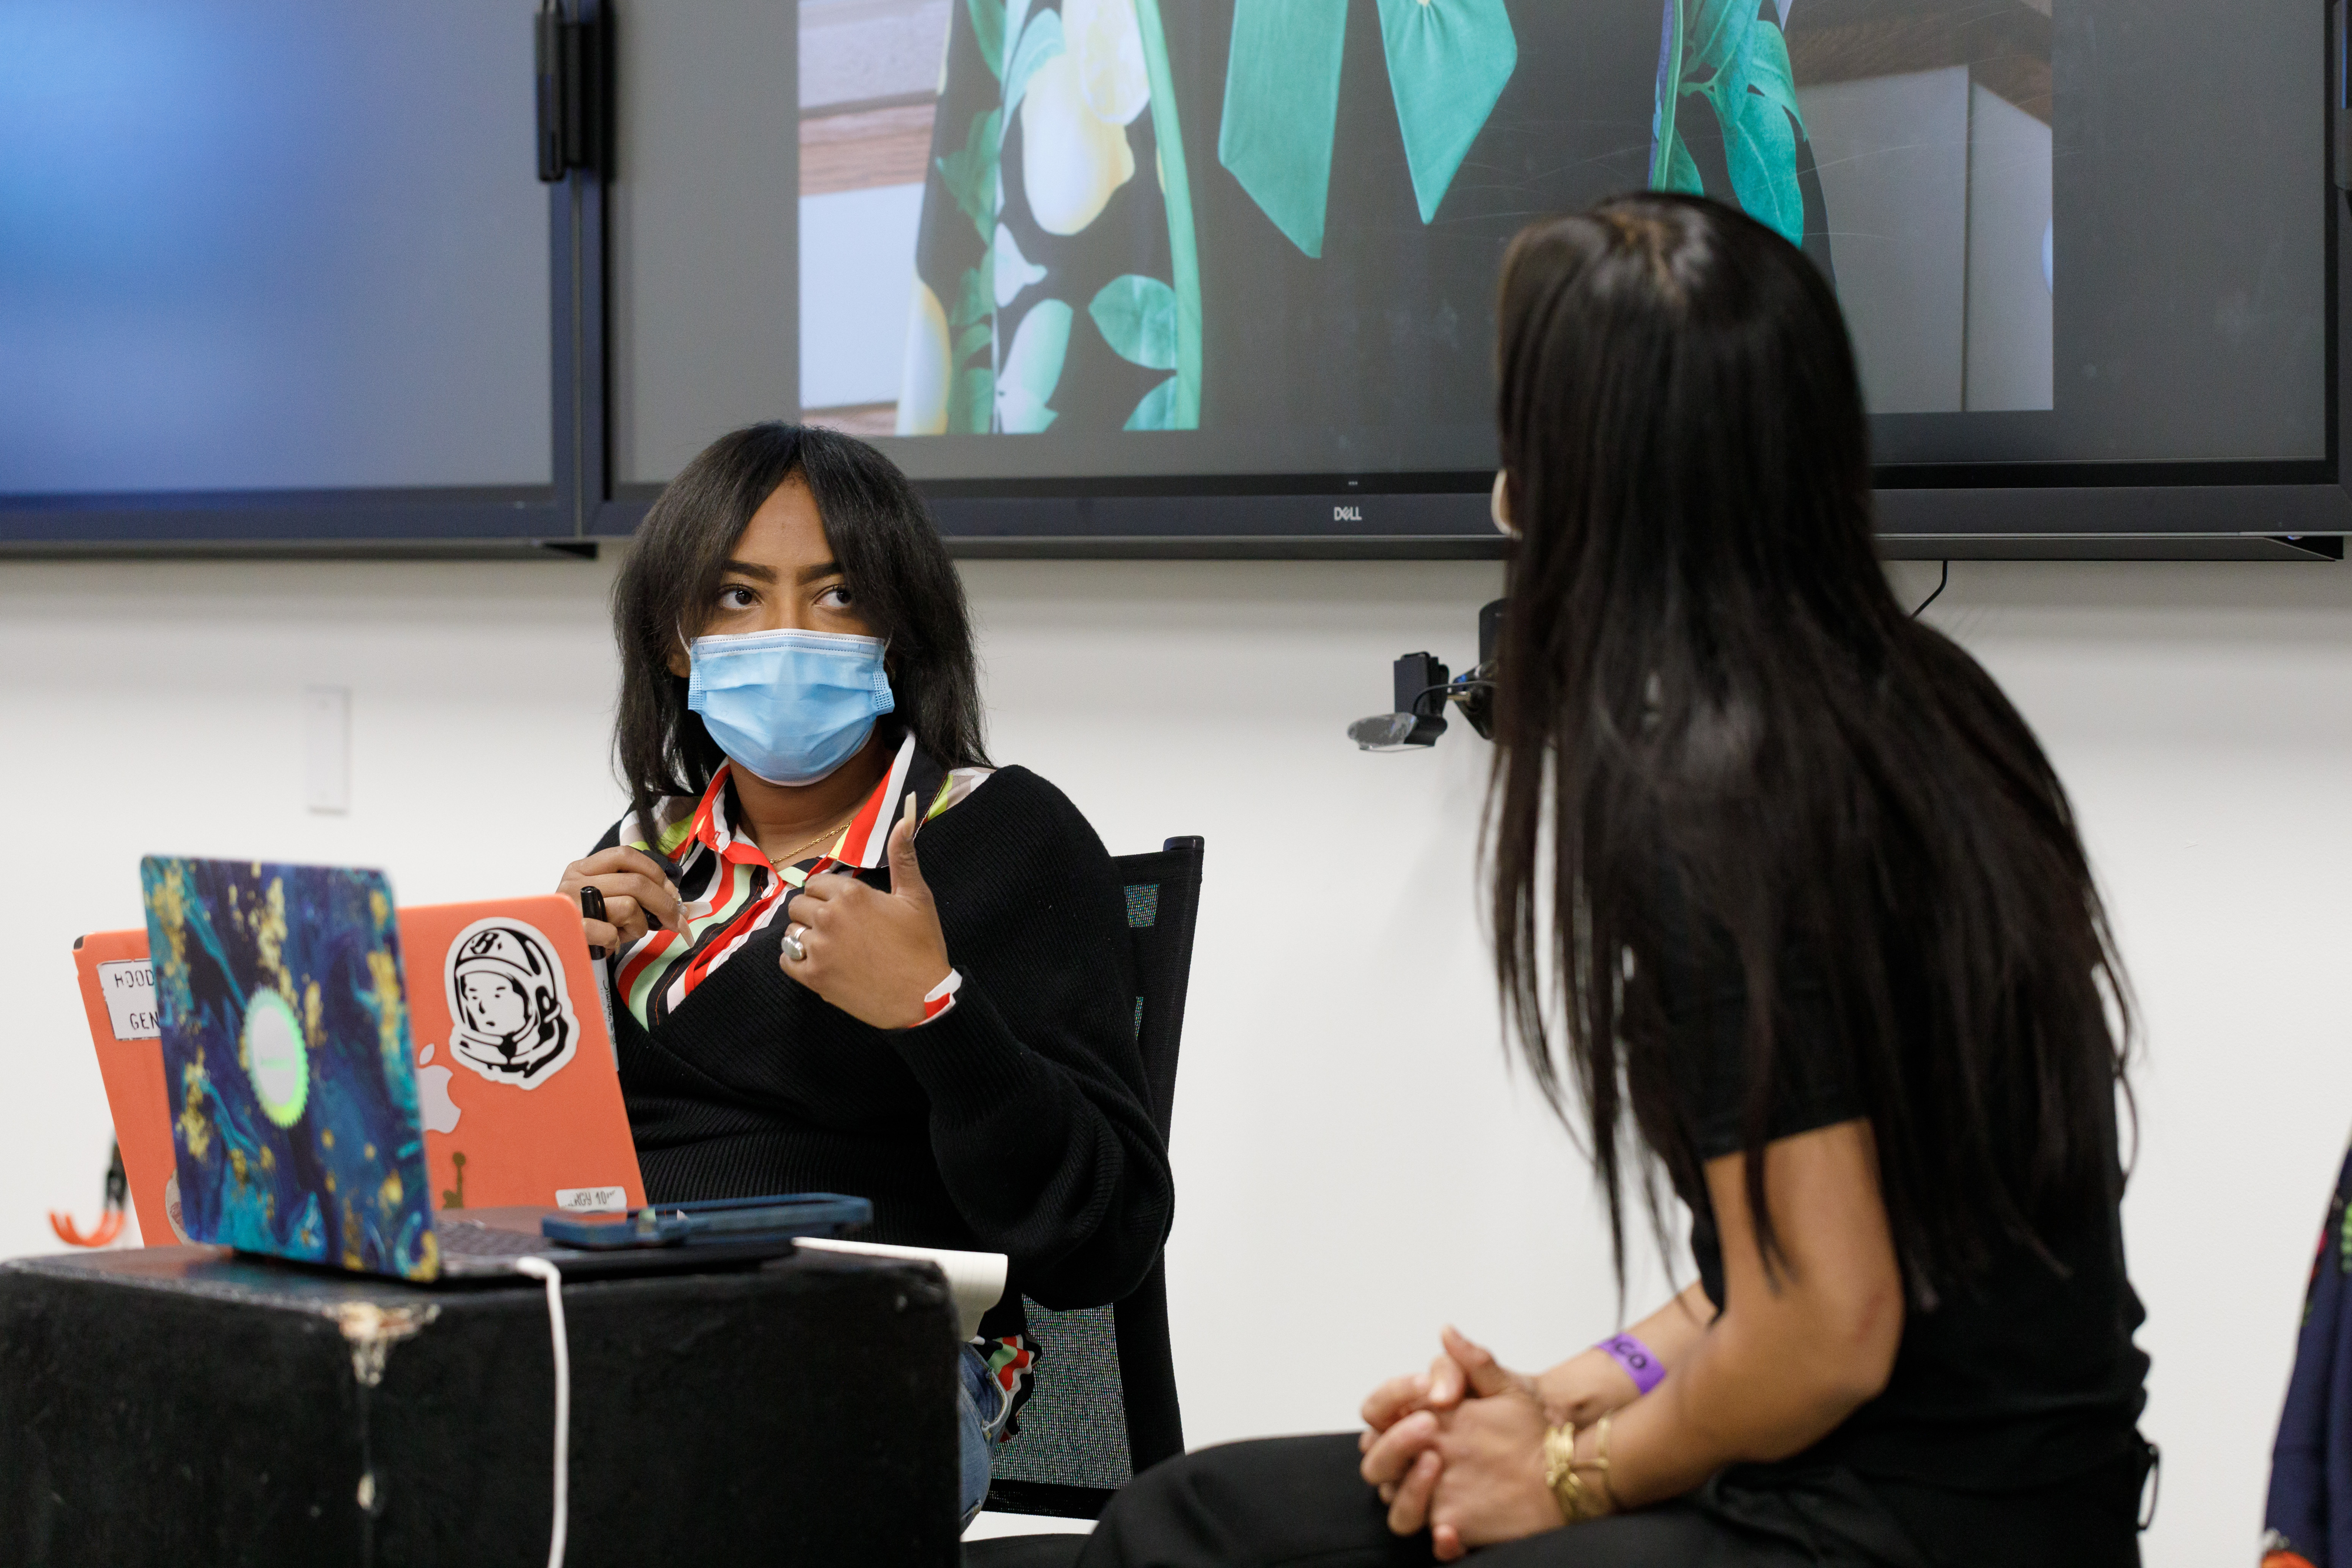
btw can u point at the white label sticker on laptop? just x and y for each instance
(509, 1017)
(129, 990)
(592, 1199)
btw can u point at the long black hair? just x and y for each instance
(897, 572)
(1706, 684)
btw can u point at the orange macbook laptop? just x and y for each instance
(516, 1078)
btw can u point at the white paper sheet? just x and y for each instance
(976, 1279)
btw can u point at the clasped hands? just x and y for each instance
(1458, 1449)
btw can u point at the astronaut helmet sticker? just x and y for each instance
(510, 1018)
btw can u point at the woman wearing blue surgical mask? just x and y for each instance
(844, 953)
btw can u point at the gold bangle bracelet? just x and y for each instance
(1599, 1462)
(1559, 1475)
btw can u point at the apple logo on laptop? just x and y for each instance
(433, 1101)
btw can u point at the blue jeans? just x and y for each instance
(981, 1406)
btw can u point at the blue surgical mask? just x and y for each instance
(788, 707)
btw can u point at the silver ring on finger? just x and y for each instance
(792, 949)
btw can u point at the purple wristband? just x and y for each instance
(1636, 1358)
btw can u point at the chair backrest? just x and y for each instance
(1103, 1405)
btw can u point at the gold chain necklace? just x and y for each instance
(779, 861)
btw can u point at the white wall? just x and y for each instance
(1355, 1164)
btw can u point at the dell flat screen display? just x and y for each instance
(1229, 243)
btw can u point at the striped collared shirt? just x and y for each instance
(728, 891)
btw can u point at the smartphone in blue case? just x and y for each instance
(723, 1219)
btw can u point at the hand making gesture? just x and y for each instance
(873, 955)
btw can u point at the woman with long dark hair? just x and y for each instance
(1790, 912)
(801, 1003)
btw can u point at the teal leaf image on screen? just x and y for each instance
(1737, 59)
(1448, 62)
(1761, 141)
(973, 302)
(1033, 369)
(1157, 409)
(1014, 271)
(1003, 377)
(1680, 175)
(1282, 110)
(970, 173)
(971, 393)
(1168, 134)
(1138, 317)
(1041, 40)
(971, 401)
(987, 30)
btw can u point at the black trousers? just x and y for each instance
(1299, 1500)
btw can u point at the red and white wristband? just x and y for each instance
(942, 997)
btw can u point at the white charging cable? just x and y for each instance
(541, 1269)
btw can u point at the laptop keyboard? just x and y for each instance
(472, 1239)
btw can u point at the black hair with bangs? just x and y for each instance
(896, 567)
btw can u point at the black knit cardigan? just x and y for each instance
(1018, 1121)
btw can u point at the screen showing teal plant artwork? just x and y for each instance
(1262, 236)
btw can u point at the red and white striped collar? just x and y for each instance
(864, 843)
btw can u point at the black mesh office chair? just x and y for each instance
(1104, 1404)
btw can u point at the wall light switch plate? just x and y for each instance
(327, 749)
